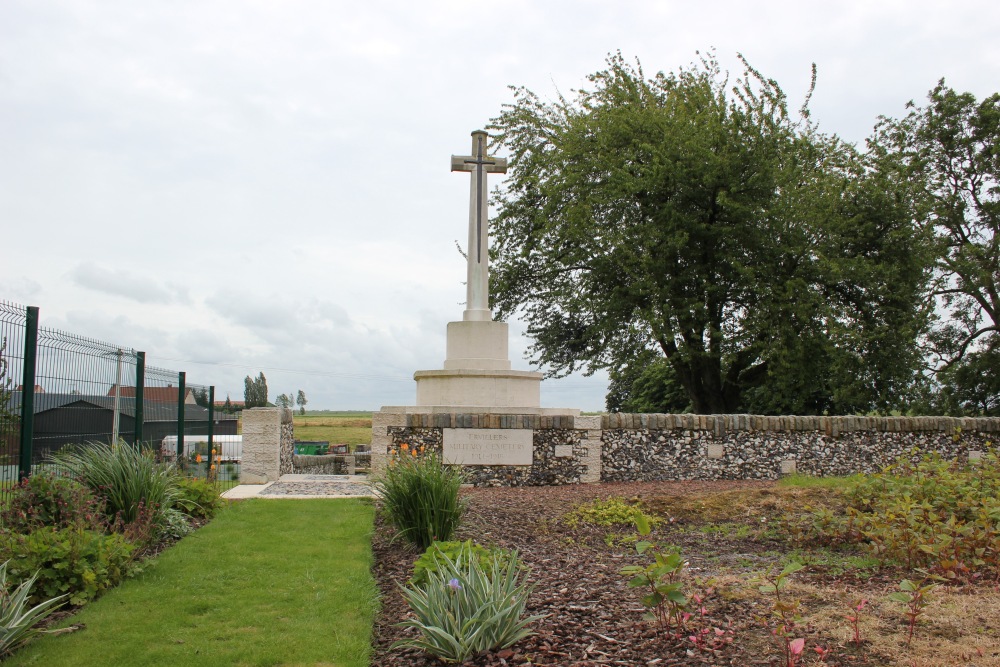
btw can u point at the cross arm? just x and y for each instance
(493, 165)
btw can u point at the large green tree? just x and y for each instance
(948, 152)
(677, 217)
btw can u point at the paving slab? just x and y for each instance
(295, 486)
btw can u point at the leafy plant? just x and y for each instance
(420, 496)
(464, 609)
(73, 561)
(916, 597)
(661, 578)
(854, 619)
(124, 476)
(197, 498)
(941, 516)
(786, 612)
(49, 500)
(707, 637)
(607, 512)
(457, 552)
(17, 621)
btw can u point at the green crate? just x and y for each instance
(310, 448)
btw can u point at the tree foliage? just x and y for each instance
(765, 266)
(948, 152)
(255, 392)
(301, 401)
(8, 412)
(201, 397)
(971, 385)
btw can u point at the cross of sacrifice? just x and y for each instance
(477, 287)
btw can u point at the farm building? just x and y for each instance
(62, 419)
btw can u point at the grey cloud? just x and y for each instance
(126, 284)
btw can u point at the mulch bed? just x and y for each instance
(593, 618)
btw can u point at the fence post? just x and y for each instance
(211, 428)
(28, 390)
(140, 405)
(180, 416)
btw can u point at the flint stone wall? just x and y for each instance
(287, 464)
(564, 450)
(325, 464)
(649, 447)
(677, 447)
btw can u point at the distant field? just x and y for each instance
(338, 413)
(353, 428)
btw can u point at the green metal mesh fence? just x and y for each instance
(12, 327)
(84, 390)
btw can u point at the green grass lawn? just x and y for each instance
(353, 429)
(365, 414)
(267, 582)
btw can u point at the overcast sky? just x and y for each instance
(237, 187)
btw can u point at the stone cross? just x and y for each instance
(477, 289)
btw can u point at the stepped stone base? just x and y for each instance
(498, 389)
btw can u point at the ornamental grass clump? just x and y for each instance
(127, 478)
(420, 496)
(463, 608)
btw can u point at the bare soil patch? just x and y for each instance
(727, 530)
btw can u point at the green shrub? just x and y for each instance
(420, 497)
(80, 563)
(17, 621)
(457, 552)
(48, 500)
(197, 498)
(608, 512)
(942, 516)
(126, 477)
(463, 609)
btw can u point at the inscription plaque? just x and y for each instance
(488, 446)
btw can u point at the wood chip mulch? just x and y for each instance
(593, 618)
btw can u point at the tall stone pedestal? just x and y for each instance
(477, 372)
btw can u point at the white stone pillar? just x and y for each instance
(381, 422)
(262, 428)
(594, 444)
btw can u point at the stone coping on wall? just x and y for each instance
(831, 426)
(473, 409)
(478, 420)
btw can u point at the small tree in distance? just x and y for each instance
(255, 392)
(301, 401)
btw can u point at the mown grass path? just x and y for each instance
(267, 582)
